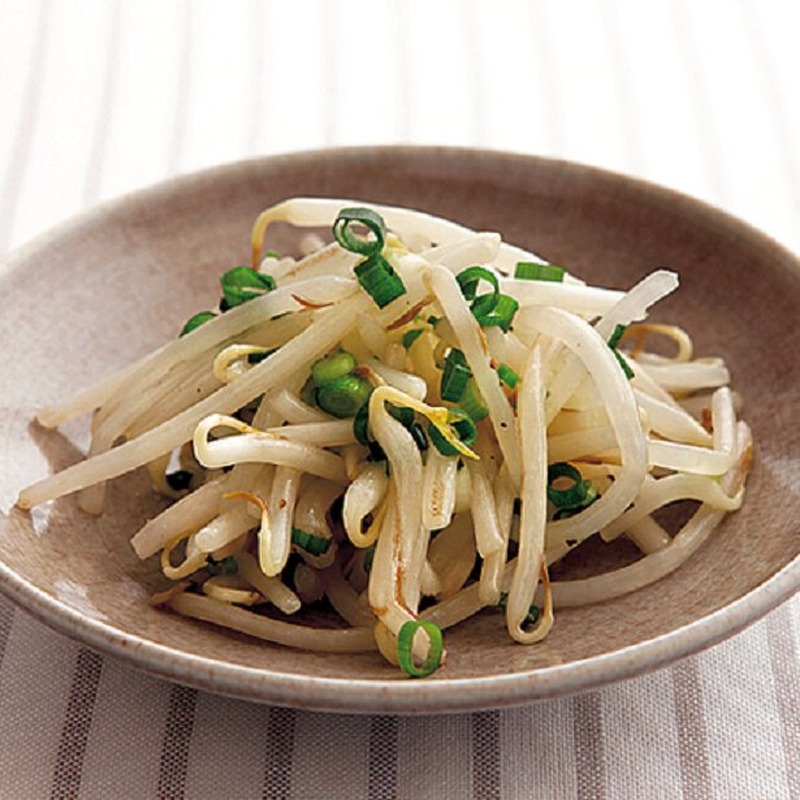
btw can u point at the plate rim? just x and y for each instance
(397, 695)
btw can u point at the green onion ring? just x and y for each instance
(405, 644)
(332, 367)
(571, 497)
(350, 240)
(379, 280)
(469, 278)
(343, 397)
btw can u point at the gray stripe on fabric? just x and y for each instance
(280, 754)
(183, 81)
(587, 726)
(6, 623)
(382, 758)
(691, 727)
(175, 743)
(91, 188)
(28, 119)
(486, 773)
(68, 769)
(783, 660)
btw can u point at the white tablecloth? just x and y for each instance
(99, 98)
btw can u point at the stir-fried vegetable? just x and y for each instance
(412, 422)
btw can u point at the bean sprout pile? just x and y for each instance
(409, 421)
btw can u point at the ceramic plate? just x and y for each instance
(92, 295)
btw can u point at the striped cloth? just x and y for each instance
(98, 98)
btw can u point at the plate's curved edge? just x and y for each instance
(404, 696)
(179, 182)
(397, 696)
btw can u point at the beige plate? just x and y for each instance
(99, 291)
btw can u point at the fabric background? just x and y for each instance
(100, 98)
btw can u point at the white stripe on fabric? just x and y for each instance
(742, 763)
(785, 665)
(641, 739)
(671, 141)
(516, 70)
(62, 131)
(294, 117)
(589, 97)
(537, 751)
(19, 143)
(106, 103)
(138, 148)
(127, 727)
(216, 84)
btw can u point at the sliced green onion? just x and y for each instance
(502, 313)
(241, 284)
(613, 342)
(531, 618)
(402, 414)
(489, 309)
(418, 435)
(315, 545)
(508, 376)
(347, 238)
(307, 393)
(529, 271)
(196, 321)
(616, 336)
(226, 566)
(409, 337)
(332, 367)
(469, 278)
(626, 367)
(376, 454)
(344, 396)
(369, 556)
(257, 358)
(472, 401)
(578, 494)
(455, 375)
(462, 425)
(379, 280)
(591, 495)
(405, 646)
(361, 425)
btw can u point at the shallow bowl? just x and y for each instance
(97, 292)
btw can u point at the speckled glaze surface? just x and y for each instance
(97, 292)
